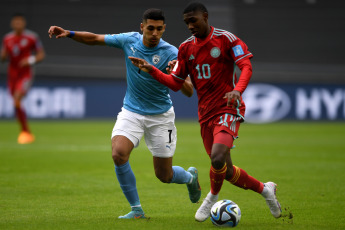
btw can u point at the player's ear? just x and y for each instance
(205, 15)
(141, 26)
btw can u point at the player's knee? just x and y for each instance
(16, 103)
(217, 161)
(119, 157)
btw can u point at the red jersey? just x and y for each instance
(19, 47)
(211, 65)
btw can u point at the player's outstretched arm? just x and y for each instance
(187, 87)
(82, 37)
(141, 64)
(165, 79)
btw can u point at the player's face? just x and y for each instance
(197, 23)
(18, 24)
(152, 32)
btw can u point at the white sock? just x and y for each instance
(212, 197)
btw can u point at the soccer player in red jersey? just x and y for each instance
(18, 46)
(210, 57)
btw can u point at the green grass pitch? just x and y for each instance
(66, 179)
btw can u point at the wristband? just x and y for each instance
(71, 34)
(31, 60)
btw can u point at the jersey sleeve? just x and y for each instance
(180, 70)
(38, 44)
(116, 40)
(173, 53)
(239, 50)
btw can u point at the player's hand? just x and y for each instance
(23, 63)
(171, 65)
(234, 98)
(58, 32)
(141, 64)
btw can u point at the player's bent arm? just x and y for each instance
(88, 38)
(187, 87)
(165, 79)
(3, 55)
(246, 73)
(40, 55)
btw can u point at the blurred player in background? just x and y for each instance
(147, 109)
(209, 57)
(23, 49)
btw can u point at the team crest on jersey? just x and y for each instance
(215, 52)
(23, 42)
(155, 59)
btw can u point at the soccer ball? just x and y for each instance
(225, 213)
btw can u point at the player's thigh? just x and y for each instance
(23, 84)
(225, 129)
(129, 125)
(207, 136)
(161, 134)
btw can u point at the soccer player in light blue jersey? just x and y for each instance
(147, 108)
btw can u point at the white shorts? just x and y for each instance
(159, 131)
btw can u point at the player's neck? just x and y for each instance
(207, 33)
(18, 32)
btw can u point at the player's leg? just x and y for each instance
(125, 136)
(242, 179)
(161, 138)
(217, 154)
(167, 173)
(20, 89)
(217, 175)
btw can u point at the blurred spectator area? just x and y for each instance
(293, 41)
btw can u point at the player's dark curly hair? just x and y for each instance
(194, 7)
(18, 14)
(154, 14)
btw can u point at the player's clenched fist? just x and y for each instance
(58, 32)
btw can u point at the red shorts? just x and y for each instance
(221, 129)
(19, 80)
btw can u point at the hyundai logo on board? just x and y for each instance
(265, 103)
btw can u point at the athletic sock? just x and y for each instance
(217, 177)
(181, 176)
(241, 179)
(21, 116)
(127, 181)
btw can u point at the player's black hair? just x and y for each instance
(194, 7)
(154, 14)
(18, 15)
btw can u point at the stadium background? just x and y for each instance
(297, 45)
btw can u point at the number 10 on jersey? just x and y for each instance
(204, 72)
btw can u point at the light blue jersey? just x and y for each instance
(144, 95)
